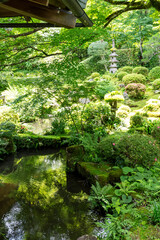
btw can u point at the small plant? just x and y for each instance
(136, 90)
(115, 228)
(100, 196)
(125, 190)
(134, 78)
(141, 70)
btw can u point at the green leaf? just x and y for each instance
(127, 170)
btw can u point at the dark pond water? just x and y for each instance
(49, 203)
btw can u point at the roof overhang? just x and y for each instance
(61, 13)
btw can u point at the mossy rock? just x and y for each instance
(74, 154)
(114, 175)
(35, 141)
(101, 172)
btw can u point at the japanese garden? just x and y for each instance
(79, 120)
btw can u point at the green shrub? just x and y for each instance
(3, 85)
(136, 90)
(95, 75)
(7, 114)
(107, 147)
(153, 105)
(127, 69)
(141, 70)
(156, 132)
(58, 127)
(8, 126)
(137, 149)
(154, 73)
(7, 145)
(129, 150)
(134, 78)
(123, 111)
(156, 84)
(156, 212)
(104, 87)
(137, 120)
(121, 74)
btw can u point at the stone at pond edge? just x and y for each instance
(87, 237)
(101, 172)
(74, 154)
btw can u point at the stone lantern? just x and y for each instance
(113, 60)
(113, 98)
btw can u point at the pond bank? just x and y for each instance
(49, 203)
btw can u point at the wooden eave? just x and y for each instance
(51, 11)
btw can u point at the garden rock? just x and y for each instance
(125, 95)
(157, 91)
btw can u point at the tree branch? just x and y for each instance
(24, 34)
(130, 6)
(25, 60)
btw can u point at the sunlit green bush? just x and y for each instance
(156, 84)
(121, 74)
(8, 114)
(134, 78)
(130, 150)
(141, 70)
(127, 69)
(154, 73)
(104, 87)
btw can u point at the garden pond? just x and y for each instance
(40, 200)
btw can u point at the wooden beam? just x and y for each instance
(41, 2)
(49, 14)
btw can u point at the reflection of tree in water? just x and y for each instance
(45, 208)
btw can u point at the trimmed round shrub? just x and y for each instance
(121, 74)
(141, 70)
(154, 73)
(104, 87)
(136, 120)
(127, 69)
(137, 149)
(152, 105)
(95, 75)
(123, 111)
(129, 150)
(107, 147)
(156, 84)
(136, 90)
(8, 114)
(134, 78)
(156, 132)
(125, 108)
